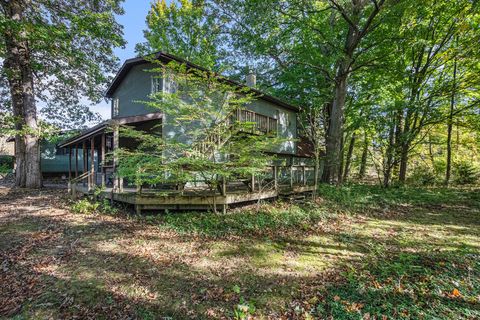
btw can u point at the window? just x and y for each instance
(116, 107)
(169, 85)
(156, 84)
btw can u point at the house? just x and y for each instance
(133, 83)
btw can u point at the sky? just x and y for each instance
(133, 22)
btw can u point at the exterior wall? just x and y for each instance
(135, 87)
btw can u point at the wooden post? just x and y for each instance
(70, 163)
(116, 182)
(304, 177)
(103, 146)
(224, 187)
(76, 160)
(275, 177)
(93, 181)
(138, 209)
(85, 158)
(253, 183)
(291, 176)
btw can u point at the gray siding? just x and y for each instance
(135, 87)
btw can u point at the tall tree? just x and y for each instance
(309, 50)
(187, 29)
(58, 53)
(427, 53)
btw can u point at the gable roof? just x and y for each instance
(166, 57)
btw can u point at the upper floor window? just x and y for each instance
(157, 84)
(169, 83)
(166, 84)
(116, 107)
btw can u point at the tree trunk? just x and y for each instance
(348, 159)
(316, 174)
(341, 160)
(335, 130)
(363, 162)
(402, 175)
(20, 78)
(389, 162)
(450, 127)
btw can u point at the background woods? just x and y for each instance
(389, 90)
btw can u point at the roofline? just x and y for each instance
(129, 63)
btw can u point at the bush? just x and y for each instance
(88, 206)
(85, 206)
(422, 176)
(464, 173)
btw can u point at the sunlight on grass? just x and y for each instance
(340, 257)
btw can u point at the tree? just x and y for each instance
(58, 53)
(312, 47)
(187, 29)
(426, 53)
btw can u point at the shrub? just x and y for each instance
(85, 206)
(423, 176)
(464, 173)
(90, 206)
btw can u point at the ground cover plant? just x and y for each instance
(360, 252)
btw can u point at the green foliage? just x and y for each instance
(85, 206)
(6, 164)
(465, 173)
(187, 29)
(422, 176)
(368, 198)
(91, 206)
(71, 44)
(244, 310)
(407, 286)
(267, 219)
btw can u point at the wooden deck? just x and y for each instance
(193, 200)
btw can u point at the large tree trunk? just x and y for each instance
(335, 130)
(348, 159)
(20, 78)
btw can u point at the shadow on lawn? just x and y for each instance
(402, 284)
(60, 266)
(56, 269)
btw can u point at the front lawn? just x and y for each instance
(359, 252)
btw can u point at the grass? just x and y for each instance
(267, 219)
(359, 252)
